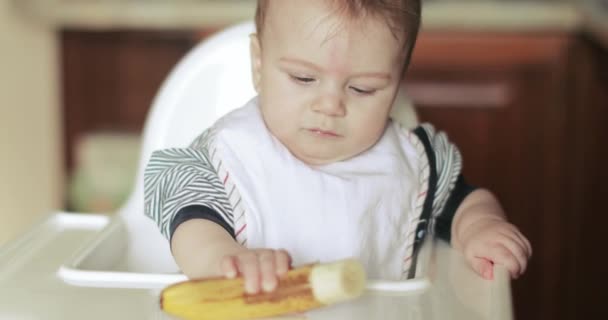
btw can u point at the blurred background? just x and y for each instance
(520, 85)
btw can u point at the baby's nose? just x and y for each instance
(330, 105)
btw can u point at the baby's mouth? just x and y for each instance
(324, 133)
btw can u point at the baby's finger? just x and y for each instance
(517, 248)
(267, 270)
(527, 246)
(514, 236)
(503, 256)
(228, 267)
(250, 269)
(483, 267)
(282, 262)
(523, 239)
(527, 243)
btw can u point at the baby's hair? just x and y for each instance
(402, 17)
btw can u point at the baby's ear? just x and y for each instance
(256, 61)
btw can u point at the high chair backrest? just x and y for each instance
(212, 79)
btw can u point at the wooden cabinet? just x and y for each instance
(111, 78)
(527, 111)
(585, 215)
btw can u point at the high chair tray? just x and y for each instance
(35, 271)
(31, 289)
(103, 262)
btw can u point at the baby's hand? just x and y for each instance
(260, 268)
(495, 241)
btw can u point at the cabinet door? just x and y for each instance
(502, 100)
(588, 174)
(111, 77)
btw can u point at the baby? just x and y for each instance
(313, 168)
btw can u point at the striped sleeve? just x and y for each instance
(183, 177)
(450, 187)
(448, 163)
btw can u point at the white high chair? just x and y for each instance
(69, 262)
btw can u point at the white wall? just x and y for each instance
(31, 182)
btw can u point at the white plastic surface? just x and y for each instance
(29, 288)
(212, 79)
(101, 262)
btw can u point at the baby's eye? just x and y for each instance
(304, 80)
(362, 91)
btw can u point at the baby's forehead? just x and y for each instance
(304, 19)
(337, 35)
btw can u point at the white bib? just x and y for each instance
(363, 207)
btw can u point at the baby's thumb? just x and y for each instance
(483, 267)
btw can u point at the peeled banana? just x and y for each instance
(302, 289)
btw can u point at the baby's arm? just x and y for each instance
(203, 248)
(185, 197)
(471, 219)
(481, 232)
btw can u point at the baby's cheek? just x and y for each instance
(367, 135)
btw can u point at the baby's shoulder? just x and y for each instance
(425, 133)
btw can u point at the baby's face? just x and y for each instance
(325, 84)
